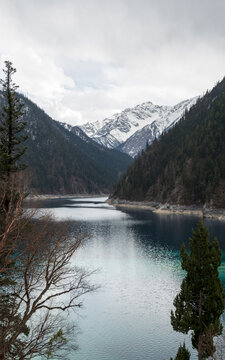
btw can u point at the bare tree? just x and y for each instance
(37, 283)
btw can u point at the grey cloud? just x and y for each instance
(82, 60)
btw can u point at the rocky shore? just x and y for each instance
(200, 211)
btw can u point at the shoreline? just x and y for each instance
(168, 209)
(66, 196)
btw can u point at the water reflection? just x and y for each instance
(137, 253)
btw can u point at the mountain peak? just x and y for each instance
(133, 127)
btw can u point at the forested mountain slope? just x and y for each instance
(59, 161)
(187, 164)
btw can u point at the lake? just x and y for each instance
(137, 254)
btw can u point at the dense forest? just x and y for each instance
(187, 164)
(59, 161)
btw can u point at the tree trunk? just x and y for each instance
(199, 350)
(200, 336)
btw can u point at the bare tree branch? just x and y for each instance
(36, 255)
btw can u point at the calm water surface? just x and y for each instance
(137, 254)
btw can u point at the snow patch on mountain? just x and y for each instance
(77, 131)
(138, 141)
(133, 127)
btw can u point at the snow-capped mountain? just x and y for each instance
(137, 142)
(133, 127)
(79, 132)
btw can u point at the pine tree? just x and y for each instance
(182, 353)
(11, 139)
(200, 303)
(11, 150)
(11, 126)
(34, 278)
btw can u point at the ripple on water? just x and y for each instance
(137, 253)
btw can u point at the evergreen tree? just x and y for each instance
(11, 139)
(11, 126)
(182, 353)
(33, 277)
(200, 303)
(186, 165)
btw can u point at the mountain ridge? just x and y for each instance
(59, 161)
(186, 165)
(133, 127)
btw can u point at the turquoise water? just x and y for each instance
(137, 255)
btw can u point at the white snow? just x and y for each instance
(117, 129)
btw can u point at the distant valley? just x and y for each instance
(62, 161)
(175, 165)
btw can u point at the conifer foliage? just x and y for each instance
(59, 161)
(186, 165)
(37, 280)
(11, 125)
(182, 353)
(200, 303)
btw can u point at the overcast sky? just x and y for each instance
(84, 60)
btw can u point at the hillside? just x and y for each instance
(130, 130)
(59, 161)
(187, 164)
